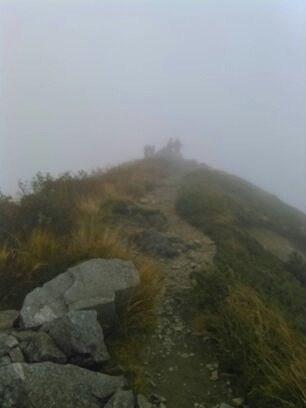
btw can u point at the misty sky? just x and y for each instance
(85, 84)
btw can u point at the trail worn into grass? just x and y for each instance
(180, 363)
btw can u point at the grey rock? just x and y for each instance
(16, 355)
(158, 399)
(143, 402)
(157, 243)
(98, 284)
(8, 318)
(7, 343)
(139, 215)
(38, 347)
(50, 385)
(4, 361)
(79, 335)
(121, 399)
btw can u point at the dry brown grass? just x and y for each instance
(264, 348)
(199, 324)
(135, 179)
(4, 256)
(66, 221)
(40, 249)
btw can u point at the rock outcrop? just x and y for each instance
(55, 355)
(50, 385)
(97, 284)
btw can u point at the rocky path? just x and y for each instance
(181, 369)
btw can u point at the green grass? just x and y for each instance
(228, 209)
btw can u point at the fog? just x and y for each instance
(86, 84)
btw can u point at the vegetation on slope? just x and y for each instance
(254, 303)
(58, 222)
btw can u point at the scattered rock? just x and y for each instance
(140, 215)
(157, 243)
(98, 284)
(51, 385)
(8, 318)
(121, 399)
(79, 335)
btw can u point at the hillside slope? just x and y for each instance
(254, 297)
(221, 309)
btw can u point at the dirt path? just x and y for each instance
(181, 366)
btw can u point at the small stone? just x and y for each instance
(212, 366)
(214, 375)
(152, 383)
(155, 398)
(121, 399)
(142, 402)
(238, 402)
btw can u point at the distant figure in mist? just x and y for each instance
(172, 151)
(149, 151)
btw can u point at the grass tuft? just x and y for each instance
(258, 343)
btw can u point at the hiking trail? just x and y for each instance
(180, 364)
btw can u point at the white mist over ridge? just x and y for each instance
(88, 84)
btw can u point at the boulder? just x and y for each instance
(50, 385)
(121, 399)
(38, 347)
(8, 318)
(98, 284)
(79, 335)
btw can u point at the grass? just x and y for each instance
(251, 302)
(259, 344)
(59, 222)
